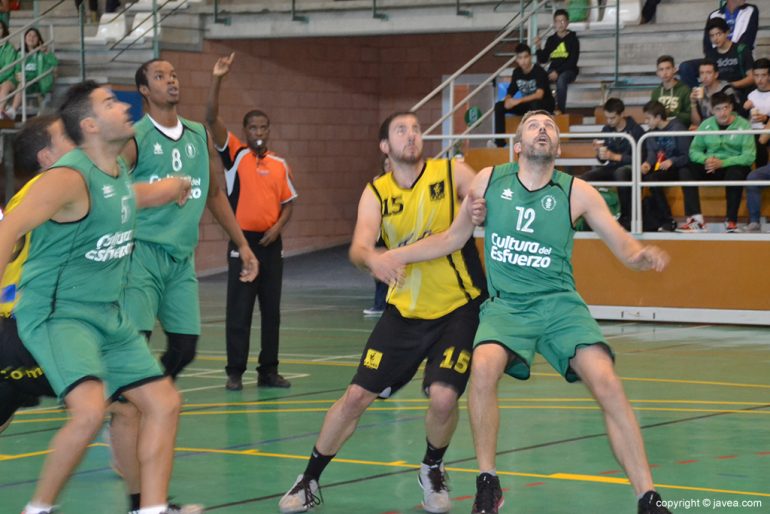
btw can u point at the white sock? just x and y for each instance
(156, 509)
(698, 218)
(492, 471)
(37, 508)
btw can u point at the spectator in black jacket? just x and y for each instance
(561, 51)
(742, 21)
(529, 90)
(666, 155)
(614, 153)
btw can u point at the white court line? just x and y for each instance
(335, 357)
(245, 383)
(199, 374)
(657, 331)
(283, 355)
(301, 329)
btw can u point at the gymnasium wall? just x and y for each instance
(326, 98)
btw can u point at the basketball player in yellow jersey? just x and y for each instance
(432, 312)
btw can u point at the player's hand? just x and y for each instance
(249, 264)
(478, 210)
(185, 187)
(385, 267)
(222, 66)
(269, 236)
(650, 258)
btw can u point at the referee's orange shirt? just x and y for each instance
(256, 187)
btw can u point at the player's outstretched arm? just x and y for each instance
(587, 202)
(217, 127)
(60, 194)
(167, 190)
(470, 214)
(220, 208)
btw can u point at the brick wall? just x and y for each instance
(326, 98)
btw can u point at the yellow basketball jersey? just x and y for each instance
(434, 288)
(10, 283)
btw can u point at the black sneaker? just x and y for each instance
(489, 496)
(234, 383)
(651, 503)
(668, 226)
(272, 380)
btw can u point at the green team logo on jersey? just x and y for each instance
(548, 202)
(112, 246)
(530, 254)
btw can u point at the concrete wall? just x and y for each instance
(326, 98)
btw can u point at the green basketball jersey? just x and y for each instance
(528, 235)
(157, 156)
(86, 260)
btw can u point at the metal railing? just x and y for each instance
(23, 55)
(527, 13)
(517, 22)
(639, 183)
(636, 183)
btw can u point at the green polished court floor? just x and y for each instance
(701, 393)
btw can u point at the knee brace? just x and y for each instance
(179, 353)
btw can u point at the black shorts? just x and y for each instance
(20, 376)
(398, 345)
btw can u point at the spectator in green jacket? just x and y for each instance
(674, 95)
(715, 156)
(8, 54)
(37, 63)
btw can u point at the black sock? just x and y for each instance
(433, 455)
(134, 501)
(317, 464)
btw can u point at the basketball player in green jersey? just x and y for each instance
(162, 282)
(41, 142)
(534, 307)
(81, 217)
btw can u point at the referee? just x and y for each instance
(261, 194)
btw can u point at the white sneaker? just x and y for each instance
(373, 311)
(751, 227)
(435, 491)
(692, 225)
(192, 508)
(173, 508)
(303, 496)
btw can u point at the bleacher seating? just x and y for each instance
(112, 27)
(142, 30)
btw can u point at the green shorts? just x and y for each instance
(159, 286)
(82, 341)
(554, 326)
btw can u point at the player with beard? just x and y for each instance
(534, 307)
(432, 310)
(161, 279)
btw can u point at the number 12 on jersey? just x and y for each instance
(525, 219)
